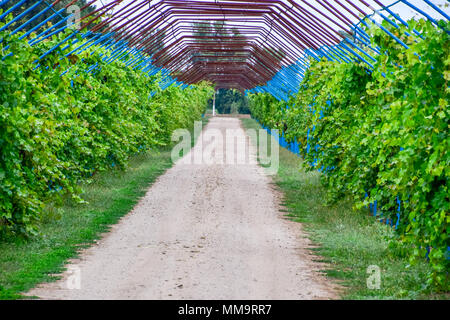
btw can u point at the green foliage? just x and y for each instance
(347, 240)
(384, 134)
(267, 110)
(229, 101)
(57, 131)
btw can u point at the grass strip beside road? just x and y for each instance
(348, 241)
(65, 230)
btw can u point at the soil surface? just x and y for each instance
(203, 231)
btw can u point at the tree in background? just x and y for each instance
(230, 101)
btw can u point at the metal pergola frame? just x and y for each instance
(269, 51)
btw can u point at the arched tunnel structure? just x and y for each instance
(261, 46)
(358, 88)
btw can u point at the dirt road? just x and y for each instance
(209, 231)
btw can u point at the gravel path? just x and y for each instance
(201, 232)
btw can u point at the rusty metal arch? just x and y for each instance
(265, 48)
